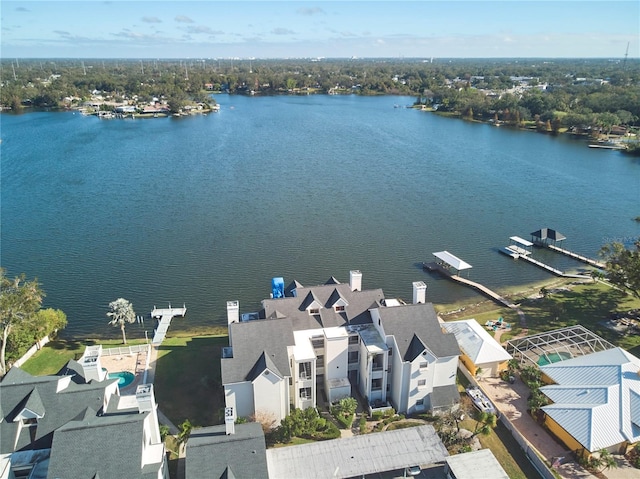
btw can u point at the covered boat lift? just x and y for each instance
(544, 235)
(446, 260)
(518, 247)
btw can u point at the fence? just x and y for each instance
(528, 449)
(121, 350)
(32, 350)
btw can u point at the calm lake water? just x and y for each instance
(205, 209)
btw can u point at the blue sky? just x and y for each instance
(287, 29)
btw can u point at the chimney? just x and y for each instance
(419, 292)
(355, 280)
(229, 421)
(145, 398)
(91, 366)
(233, 312)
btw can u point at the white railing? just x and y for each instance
(122, 350)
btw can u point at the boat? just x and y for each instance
(480, 400)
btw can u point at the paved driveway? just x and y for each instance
(511, 400)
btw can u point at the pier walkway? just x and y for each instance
(477, 286)
(165, 316)
(579, 257)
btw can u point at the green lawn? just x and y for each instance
(51, 358)
(188, 382)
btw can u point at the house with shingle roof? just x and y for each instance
(215, 453)
(61, 426)
(595, 401)
(341, 338)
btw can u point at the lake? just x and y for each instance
(205, 209)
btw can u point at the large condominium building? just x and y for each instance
(322, 343)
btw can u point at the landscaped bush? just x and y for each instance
(378, 415)
(344, 411)
(305, 423)
(363, 424)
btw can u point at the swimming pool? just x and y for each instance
(124, 378)
(553, 358)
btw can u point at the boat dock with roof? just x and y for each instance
(545, 238)
(446, 262)
(164, 317)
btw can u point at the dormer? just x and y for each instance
(311, 304)
(337, 301)
(31, 410)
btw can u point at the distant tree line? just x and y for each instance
(580, 92)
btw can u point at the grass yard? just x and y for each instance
(187, 382)
(51, 358)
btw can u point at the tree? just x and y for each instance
(121, 312)
(486, 422)
(622, 266)
(185, 432)
(19, 301)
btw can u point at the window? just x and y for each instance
(304, 370)
(353, 339)
(320, 359)
(390, 352)
(314, 311)
(339, 309)
(353, 356)
(317, 342)
(378, 362)
(376, 384)
(420, 402)
(422, 382)
(305, 393)
(424, 365)
(31, 421)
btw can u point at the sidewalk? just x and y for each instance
(511, 401)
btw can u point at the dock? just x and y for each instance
(549, 238)
(579, 257)
(164, 317)
(477, 286)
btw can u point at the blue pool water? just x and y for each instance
(124, 378)
(553, 358)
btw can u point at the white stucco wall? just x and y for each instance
(239, 396)
(269, 395)
(336, 357)
(445, 371)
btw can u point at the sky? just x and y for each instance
(331, 29)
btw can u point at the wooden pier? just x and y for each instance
(165, 316)
(579, 257)
(477, 286)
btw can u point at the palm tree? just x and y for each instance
(121, 312)
(185, 431)
(486, 422)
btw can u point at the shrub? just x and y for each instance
(363, 424)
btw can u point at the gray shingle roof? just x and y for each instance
(357, 311)
(250, 340)
(85, 441)
(19, 388)
(110, 446)
(212, 454)
(405, 322)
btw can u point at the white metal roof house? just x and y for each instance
(596, 400)
(62, 427)
(480, 351)
(341, 337)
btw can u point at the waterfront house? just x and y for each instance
(481, 354)
(62, 426)
(315, 345)
(595, 401)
